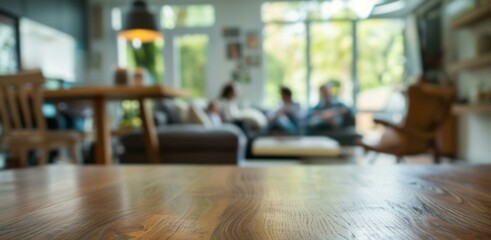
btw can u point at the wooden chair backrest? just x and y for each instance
(428, 107)
(21, 99)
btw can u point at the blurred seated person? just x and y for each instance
(213, 112)
(230, 112)
(329, 113)
(287, 117)
(228, 103)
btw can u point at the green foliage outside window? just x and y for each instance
(286, 61)
(193, 60)
(380, 57)
(305, 10)
(381, 53)
(188, 16)
(148, 56)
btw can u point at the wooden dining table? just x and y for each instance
(100, 95)
(230, 202)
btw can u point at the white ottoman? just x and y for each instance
(303, 146)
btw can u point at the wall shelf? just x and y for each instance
(475, 63)
(477, 15)
(460, 109)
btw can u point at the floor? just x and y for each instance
(352, 156)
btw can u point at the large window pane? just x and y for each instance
(285, 50)
(188, 16)
(380, 72)
(285, 11)
(193, 57)
(8, 54)
(331, 54)
(310, 10)
(147, 56)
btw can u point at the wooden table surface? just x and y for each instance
(179, 202)
(117, 92)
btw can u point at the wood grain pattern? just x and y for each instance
(175, 202)
(115, 92)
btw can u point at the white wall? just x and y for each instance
(229, 13)
(246, 15)
(474, 130)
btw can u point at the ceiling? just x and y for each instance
(383, 8)
(395, 8)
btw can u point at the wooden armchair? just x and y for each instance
(428, 108)
(22, 121)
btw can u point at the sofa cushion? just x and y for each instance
(198, 116)
(168, 107)
(187, 137)
(182, 109)
(345, 136)
(254, 118)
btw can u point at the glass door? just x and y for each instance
(191, 63)
(286, 61)
(381, 60)
(306, 55)
(331, 53)
(188, 58)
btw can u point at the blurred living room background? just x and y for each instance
(369, 52)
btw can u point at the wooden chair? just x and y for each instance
(428, 108)
(22, 121)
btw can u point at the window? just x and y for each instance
(307, 44)
(380, 72)
(188, 16)
(133, 54)
(304, 51)
(8, 46)
(192, 57)
(331, 52)
(316, 10)
(188, 31)
(286, 61)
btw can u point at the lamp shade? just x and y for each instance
(139, 23)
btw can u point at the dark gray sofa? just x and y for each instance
(345, 135)
(188, 144)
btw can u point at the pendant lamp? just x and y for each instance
(139, 24)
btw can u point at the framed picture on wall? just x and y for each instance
(253, 61)
(252, 40)
(9, 48)
(231, 32)
(234, 51)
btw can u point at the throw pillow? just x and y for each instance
(168, 107)
(254, 118)
(198, 116)
(182, 109)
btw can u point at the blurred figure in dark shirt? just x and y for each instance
(286, 118)
(329, 113)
